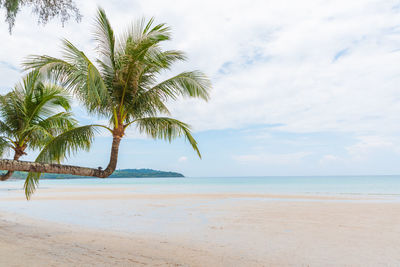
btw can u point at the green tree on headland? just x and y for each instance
(123, 86)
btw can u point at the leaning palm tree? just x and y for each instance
(123, 86)
(33, 115)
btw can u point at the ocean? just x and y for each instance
(179, 205)
(336, 185)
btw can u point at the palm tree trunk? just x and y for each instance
(7, 176)
(112, 165)
(28, 166)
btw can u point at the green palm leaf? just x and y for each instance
(190, 84)
(104, 36)
(4, 145)
(31, 183)
(58, 149)
(35, 115)
(124, 86)
(167, 129)
(67, 144)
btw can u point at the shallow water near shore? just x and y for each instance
(262, 219)
(138, 204)
(363, 185)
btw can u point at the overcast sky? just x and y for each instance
(299, 87)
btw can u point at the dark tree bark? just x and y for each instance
(18, 153)
(28, 166)
(112, 164)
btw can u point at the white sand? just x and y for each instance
(238, 230)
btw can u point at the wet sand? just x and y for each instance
(241, 230)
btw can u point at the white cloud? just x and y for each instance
(279, 159)
(7, 73)
(307, 65)
(299, 66)
(328, 159)
(368, 144)
(182, 159)
(282, 68)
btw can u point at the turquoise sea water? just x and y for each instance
(385, 185)
(97, 203)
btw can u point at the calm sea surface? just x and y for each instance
(386, 185)
(143, 205)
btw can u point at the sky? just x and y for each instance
(299, 87)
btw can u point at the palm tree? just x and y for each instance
(123, 86)
(33, 114)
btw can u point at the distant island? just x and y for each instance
(123, 173)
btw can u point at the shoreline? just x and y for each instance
(33, 242)
(87, 192)
(196, 230)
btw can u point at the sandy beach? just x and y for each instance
(200, 133)
(208, 230)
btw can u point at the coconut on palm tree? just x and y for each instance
(33, 115)
(122, 85)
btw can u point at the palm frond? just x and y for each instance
(5, 129)
(53, 67)
(141, 31)
(59, 148)
(29, 83)
(163, 60)
(189, 84)
(4, 146)
(31, 183)
(35, 136)
(13, 114)
(167, 129)
(67, 144)
(87, 83)
(125, 86)
(104, 35)
(45, 102)
(148, 104)
(77, 73)
(58, 123)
